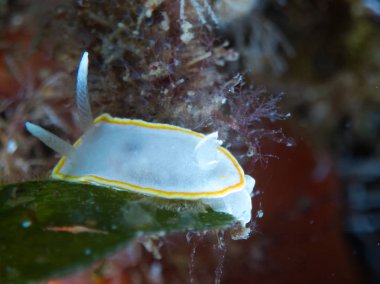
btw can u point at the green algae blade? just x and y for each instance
(54, 228)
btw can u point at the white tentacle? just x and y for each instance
(206, 153)
(82, 100)
(51, 140)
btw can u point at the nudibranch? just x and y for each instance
(155, 159)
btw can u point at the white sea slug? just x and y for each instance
(150, 158)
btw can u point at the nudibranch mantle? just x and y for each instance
(150, 158)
